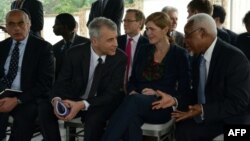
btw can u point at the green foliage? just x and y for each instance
(69, 6)
(4, 8)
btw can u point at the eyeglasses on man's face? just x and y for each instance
(187, 35)
(128, 21)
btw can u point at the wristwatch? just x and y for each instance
(19, 101)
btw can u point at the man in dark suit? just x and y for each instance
(205, 6)
(111, 9)
(77, 86)
(219, 15)
(64, 26)
(221, 79)
(27, 65)
(133, 24)
(35, 9)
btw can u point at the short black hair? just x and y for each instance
(220, 12)
(246, 19)
(202, 6)
(67, 19)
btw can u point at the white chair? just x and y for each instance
(71, 128)
(160, 131)
(219, 138)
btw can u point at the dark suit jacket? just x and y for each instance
(176, 70)
(35, 9)
(232, 35)
(37, 72)
(113, 10)
(243, 43)
(179, 38)
(122, 42)
(57, 50)
(227, 88)
(223, 35)
(73, 78)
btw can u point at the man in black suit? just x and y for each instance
(219, 15)
(221, 79)
(111, 9)
(133, 24)
(94, 100)
(64, 26)
(30, 70)
(35, 10)
(205, 6)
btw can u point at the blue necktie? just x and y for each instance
(202, 81)
(13, 67)
(201, 87)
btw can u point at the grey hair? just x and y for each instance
(168, 9)
(97, 23)
(205, 21)
(25, 15)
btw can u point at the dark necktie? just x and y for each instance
(129, 57)
(13, 67)
(66, 46)
(96, 78)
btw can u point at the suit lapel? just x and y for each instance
(86, 63)
(214, 60)
(28, 58)
(4, 54)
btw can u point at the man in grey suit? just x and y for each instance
(173, 14)
(77, 87)
(221, 79)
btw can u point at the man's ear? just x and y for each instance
(93, 41)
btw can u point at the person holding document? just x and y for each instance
(27, 65)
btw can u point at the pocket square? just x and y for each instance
(61, 109)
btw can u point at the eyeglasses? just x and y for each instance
(129, 21)
(190, 33)
(13, 24)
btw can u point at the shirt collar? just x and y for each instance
(72, 39)
(96, 56)
(209, 52)
(135, 38)
(23, 42)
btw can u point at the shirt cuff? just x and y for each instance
(174, 107)
(202, 112)
(86, 103)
